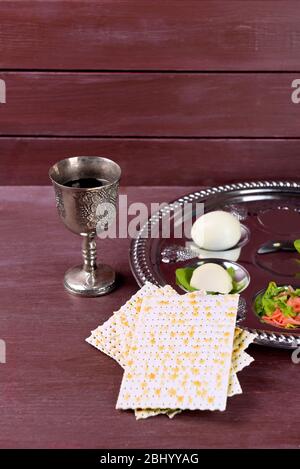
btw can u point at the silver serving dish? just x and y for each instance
(269, 209)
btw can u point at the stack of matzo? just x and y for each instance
(178, 351)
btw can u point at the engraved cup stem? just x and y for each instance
(89, 253)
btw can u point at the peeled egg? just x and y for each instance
(216, 231)
(212, 278)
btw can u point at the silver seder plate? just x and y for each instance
(271, 212)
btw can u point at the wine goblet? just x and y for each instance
(86, 190)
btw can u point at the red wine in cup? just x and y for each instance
(86, 183)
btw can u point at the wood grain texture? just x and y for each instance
(25, 161)
(155, 35)
(152, 104)
(59, 392)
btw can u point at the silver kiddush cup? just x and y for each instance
(86, 190)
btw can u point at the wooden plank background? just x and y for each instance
(150, 104)
(154, 84)
(204, 162)
(150, 35)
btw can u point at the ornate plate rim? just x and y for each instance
(142, 274)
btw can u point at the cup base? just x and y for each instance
(97, 283)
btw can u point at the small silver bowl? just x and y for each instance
(231, 254)
(241, 276)
(260, 293)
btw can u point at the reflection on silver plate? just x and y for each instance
(283, 220)
(251, 198)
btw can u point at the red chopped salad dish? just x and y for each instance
(279, 306)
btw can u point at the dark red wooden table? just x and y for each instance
(56, 391)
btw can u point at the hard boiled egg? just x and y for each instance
(216, 231)
(211, 278)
